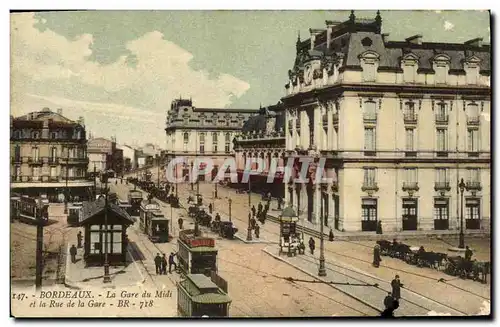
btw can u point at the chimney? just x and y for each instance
(59, 111)
(415, 39)
(385, 37)
(476, 43)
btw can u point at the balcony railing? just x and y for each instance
(53, 161)
(370, 117)
(441, 119)
(410, 118)
(442, 186)
(16, 160)
(473, 120)
(369, 187)
(473, 185)
(15, 178)
(410, 186)
(73, 161)
(35, 161)
(335, 118)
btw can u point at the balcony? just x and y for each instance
(370, 153)
(53, 179)
(441, 119)
(53, 161)
(410, 153)
(442, 186)
(442, 153)
(473, 120)
(35, 161)
(473, 154)
(73, 161)
(410, 186)
(16, 160)
(369, 187)
(473, 185)
(15, 179)
(370, 118)
(410, 118)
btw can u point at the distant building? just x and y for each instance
(129, 157)
(48, 155)
(206, 132)
(105, 155)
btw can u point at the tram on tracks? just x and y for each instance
(199, 296)
(197, 255)
(31, 209)
(14, 205)
(152, 222)
(74, 210)
(134, 199)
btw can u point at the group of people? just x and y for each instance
(253, 225)
(161, 263)
(261, 212)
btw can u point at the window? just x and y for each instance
(17, 134)
(472, 208)
(473, 175)
(473, 140)
(186, 141)
(441, 72)
(442, 138)
(53, 135)
(442, 175)
(370, 110)
(369, 72)
(410, 139)
(409, 72)
(202, 142)
(370, 141)
(368, 213)
(18, 171)
(227, 143)
(411, 175)
(215, 142)
(441, 209)
(53, 171)
(36, 135)
(36, 173)
(472, 74)
(472, 112)
(442, 112)
(35, 153)
(95, 240)
(369, 177)
(409, 109)
(17, 153)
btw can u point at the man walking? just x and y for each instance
(376, 256)
(180, 221)
(312, 245)
(79, 239)
(388, 300)
(468, 254)
(164, 264)
(72, 252)
(257, 230)
(396, 288)
(158, 264)
(171, 262)
(253, 210)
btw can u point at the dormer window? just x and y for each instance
(369, 63)
(410, 66)
(471, 67)
(36, 135)
(441, 66)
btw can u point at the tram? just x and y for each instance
(14, 205)
(157, 230)
(134, 199)
(74, 213)
(31, 209)
(198, 296)
(145, 211)
(197, 255)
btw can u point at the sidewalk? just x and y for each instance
(80, 277)
(411, 304)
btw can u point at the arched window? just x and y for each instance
(202, 142)
(215, 142)
(186, 141)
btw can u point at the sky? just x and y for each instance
(120, 70)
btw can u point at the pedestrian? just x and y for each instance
(210, 208)
(79, 239)
(164, 265)
(389, 312)
(388, 300)
(312, 245)
(280, 201)
(73, 252)
(257, 230)
(379, 227)
(330, 236)
(171, 262)
(259, 209)
(253, 210)
(396, 288)
(180, 221)
(158, 264)
(253, 222)
(217, 217)
(267, 206)
(468, 254)
(376, 256)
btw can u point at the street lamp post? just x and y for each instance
(107, 278)
(230, 201)
(67, 190)
(249, 230)
(322, 270)
(461, 241)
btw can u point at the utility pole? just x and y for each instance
(95, 184)
(107, 279)
(39, 247)
(230, 201)
(322, 270)
(249, 230)
(196, 227)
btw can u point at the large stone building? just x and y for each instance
(400, 124)
(203, 132)
(48, 155)
(263, 136)
(105, 155)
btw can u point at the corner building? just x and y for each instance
(400, 123)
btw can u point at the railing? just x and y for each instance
(53, 161)
(70, 160)
(441, 119)
(410, 186)
(473, 120)
(473, 185)
(442, 186)
(35, 161)
(410, 118)
(369, 117)
(369, 186)
(16, 160)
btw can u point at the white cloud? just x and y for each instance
(161, 73)
(448, 26)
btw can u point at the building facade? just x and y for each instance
(203, 132)
(104, 155)
(400, 123)
(263, 136)
(48, 155)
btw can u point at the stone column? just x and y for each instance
(316, 204)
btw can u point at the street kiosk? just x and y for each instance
(289, 238)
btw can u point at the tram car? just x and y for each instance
(157, 229)
(74, 213)
(199, 296)
(31, 209)
(15, 199)
(197, 255)
(134, 199)
(146, 210)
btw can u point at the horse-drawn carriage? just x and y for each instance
(227, 229)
